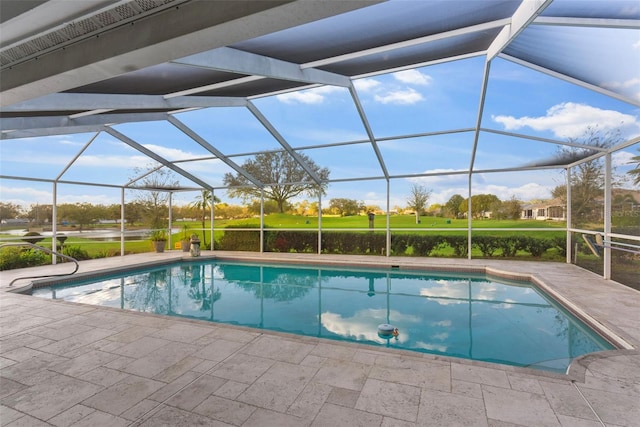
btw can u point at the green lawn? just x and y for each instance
(97, 248)
(380, 222)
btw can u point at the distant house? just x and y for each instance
(15, 221)
(546, 210)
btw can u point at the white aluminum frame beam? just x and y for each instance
(236, 61)
(194, 27)
(570, 79)
(367, 127)
(408, 43)
(94, 101)
(144, 150)
(629, 24)
(204, 144)
(523, 16)
(274, 132)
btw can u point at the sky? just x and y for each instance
(426, 101)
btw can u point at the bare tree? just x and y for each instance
(418, 198)
(153, 192)
(587, 179)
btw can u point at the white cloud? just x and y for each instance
(170, 153)
(301, 97)
(414, 77)
(111, 161)
(309, 96)
(621, 158)
(25, 196)
(569, 120)
(365, 85)
(400, 97)
(636, 45)
(623, 85)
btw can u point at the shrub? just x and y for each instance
(423, 245)
(240, 240)
(76, 252)
(487, 244)
(458, 244)
(560, 243)
(10, 258)
(399, 244)
(32, 237)
(537, 246)
(510, 245)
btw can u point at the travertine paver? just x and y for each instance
(50, 396)
(447, 409)
(66, 364)
(123, 395)
(195, 392)
(399, 401)
(518, 407)
(278, 387)
(342, 374)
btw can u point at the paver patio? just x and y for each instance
(67, 364)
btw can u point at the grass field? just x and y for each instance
(398, 224)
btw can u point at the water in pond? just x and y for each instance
(470, 316)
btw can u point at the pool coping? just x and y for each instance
(576, 370)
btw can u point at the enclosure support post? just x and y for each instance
(319, 222)
(569, 219)
(607, 216)
(170, 219)
(261, 220)
(211, 228)
(469, 218)
(122, 227)
(388, 240)
(54, 220)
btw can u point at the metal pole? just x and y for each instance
(388, 240)
(213, 198)
(319, 222)
(607, 216)
(569, 218)
(122, 220)
(54, 219)
(170, 218)
(261, 220)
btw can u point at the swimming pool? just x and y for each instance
(470, 315)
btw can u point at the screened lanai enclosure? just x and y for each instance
(250, 108)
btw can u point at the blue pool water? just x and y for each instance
(470, 316)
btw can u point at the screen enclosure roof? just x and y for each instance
(106, 67)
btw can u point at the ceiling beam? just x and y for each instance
(151, 154)
(236, 61)
(523, 16)
(367, 127)
(628, 24)
(204, 144)
(273, 131)
(95, 101)
(408, 43)
(194, 27)
(59, 125)
(572, 80)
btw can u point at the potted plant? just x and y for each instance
(185, 242)
(158, 240)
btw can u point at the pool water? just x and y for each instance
(470, 316)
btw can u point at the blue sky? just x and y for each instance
(425, 100)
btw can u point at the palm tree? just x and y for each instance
(203, 203)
